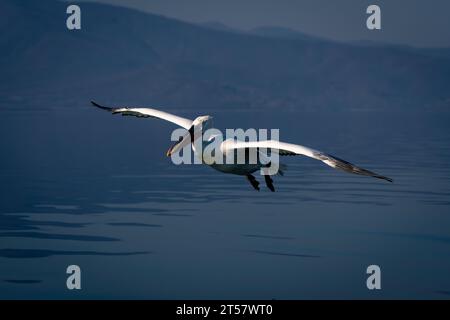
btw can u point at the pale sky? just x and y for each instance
(412, 22)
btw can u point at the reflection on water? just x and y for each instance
(29, 253)
(24, 281)
(447, 293)
(41, 235)
(140, 227)
(270, 253)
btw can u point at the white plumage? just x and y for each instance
(228, 145)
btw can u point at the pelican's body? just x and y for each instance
(239, 169)
(197, 126)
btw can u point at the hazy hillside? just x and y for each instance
(280, 32)
(125, 56)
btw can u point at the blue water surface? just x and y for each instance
(80, 186)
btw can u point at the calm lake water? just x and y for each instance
(82, 187)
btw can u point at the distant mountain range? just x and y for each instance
(123, 56)
(281, 32)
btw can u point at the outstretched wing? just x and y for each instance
(288, 149)
(148, 113)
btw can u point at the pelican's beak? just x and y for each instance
(184, 141)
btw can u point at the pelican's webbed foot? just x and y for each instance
(253, 181)
(269, 183)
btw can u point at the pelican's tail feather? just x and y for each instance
(281, 168)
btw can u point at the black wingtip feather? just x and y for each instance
(101, 107)
(349, 167)
(386, 178)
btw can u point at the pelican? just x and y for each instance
(245, 169)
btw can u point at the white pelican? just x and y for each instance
(246, 169)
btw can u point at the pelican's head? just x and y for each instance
(199, 126)
(204, 121)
